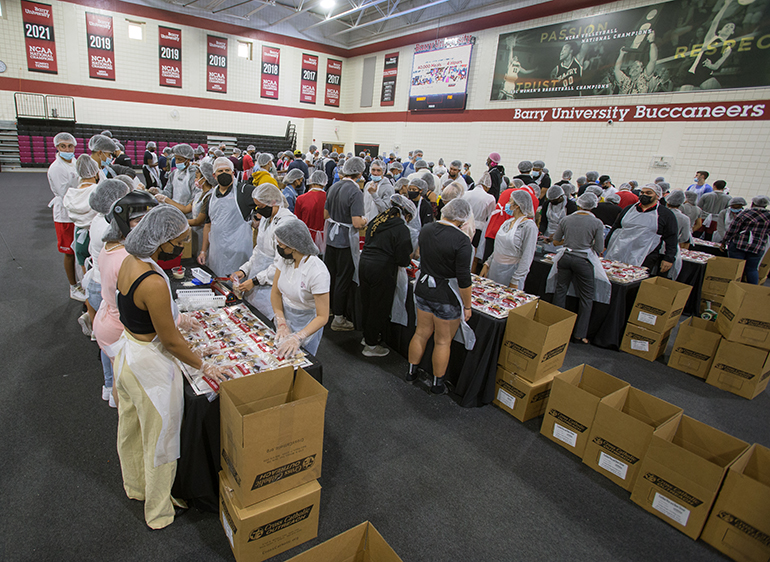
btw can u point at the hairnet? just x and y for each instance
(734, 201)
(353, 166)
(403, 203)
(446, 180)
(264, 159)
(402, 182)
(293, 175)
(86, 167)
(379, 163)
(675, 198)
(655, 187)
(121, 147)
(581, 180)
(624, 187)
(664, 186)
(495, 157)
(612, 198)
(659, 179)
(325, 152)
(456, 164)
(294, 233)
(334, 155)
(566, 175)
(167, 150)
(515, 182)
(595, 189)
(107, 133)
(162, 224)
(312, 148)
(524, 201)
(207, 171)
(452, 191)
(539, 164)
(420, 165)
(592, 176)
(554, 192)
(318, 178)
(525, 166)
(420, 184)
(430, 181)
(236, 151)
(760, 201)
(267, 194)
(128, 180)
(396, 166)
(183, 151)
(568, 188)
(105, 194)
(150, 145)
(199, 149)
(100, 143)
(418, 151)
(588, 201)
(222, 163)
(456, 210)
(691, 196)
(218, 153)
(64, 137)
(250, 148)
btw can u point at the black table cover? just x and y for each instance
(696, 247)
(692, 274)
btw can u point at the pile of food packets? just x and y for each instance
(495, 299)
(616, 271)
(696, 257)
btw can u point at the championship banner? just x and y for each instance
(170, 56)
(389, 73)
(101, 48)
(39, 38)
(664, 47)
(271, 64)
(216, 64)
(333, 78)
(309, 78)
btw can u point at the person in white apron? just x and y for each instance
(377, 191)
(344, 213)
(398, 313)
(101, 148)
(555, 207)
(300, 291)
(180, 185)
(310, 207)
(228, 243)
(199, 207)
(150, 166)
(443, 292)
(576, 267)
(727, 216)
(482, 205)
(515, 244)
(147, 378)
(293, 181)
(640, 229)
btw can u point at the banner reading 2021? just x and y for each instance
(101, 47)
(38, 37)
(666, 47)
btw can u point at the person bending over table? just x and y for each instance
(443, 291)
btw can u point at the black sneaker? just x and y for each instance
(411, 376)
(438, 387)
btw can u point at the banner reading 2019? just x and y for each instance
(666, 47)
(101, 47)
(170, 56)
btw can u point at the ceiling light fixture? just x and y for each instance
(327, 4)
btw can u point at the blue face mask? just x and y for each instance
(508, 210)
(376, 178)
(107, 162)
(735, 210)
(181, 165)
(67, 155)
(535, 174)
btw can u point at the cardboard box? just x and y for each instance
(695, 347)
(740, 369)
(536, 340)
(623, 427)
(644, 343)
(522, 399)
(659, 304)
(682, 472)
(272, 432)
(575, 395)
(764, 268)
(739, 525)
(262, 530)
(362, 542)
(711, 302)
(745, 315)
(720, 272)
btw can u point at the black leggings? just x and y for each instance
(339, 262)
(378, 284)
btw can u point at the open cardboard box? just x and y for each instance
(745, 315)
(362, 543)
(522, 399)
(739, 524)
(659, 304)
(720, 272)
(740, 369)
(644, 343)
(695, 347)
(682, 472)
(710, 302)
(272, 432)
(622, 430)
(536, 340)
(575, 396)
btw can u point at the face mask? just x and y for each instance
(395, 174)
(166, 256)
(735, 210)
(266, 212)
(225, 180)
(67, 155)
(645, 199)
(508, 209)
(285, 254)
(376, 178)
(107, 162)
(198, 184)
(559, 201)
(413, 195)
(181, 165)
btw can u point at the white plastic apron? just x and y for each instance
(398, 309)
(230, 236)
(370, 209)
(673, 273)
(502, 267)
(153, 170)
(636, 239)
(197, 231)
(602, 285)
(554, 213)
(297, 320)
(465, 335)
(180, 188)
(333, 228)
(259, 296)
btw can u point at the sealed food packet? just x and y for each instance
(695, 256)
(494, 299)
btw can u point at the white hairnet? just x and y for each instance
(167, 150)
(406, 206)
(429, 179)
(267, 194)
(516, 182)
(615, 198)
(107, 133)
(587, 201)
(420, 184)
(64, 137)
(660, 179)
(105, 194)
(401, 182)
(420, 165)
(760, 201)
(318, 178)
(293, 175)
(199, 149)
(566, 175)
(86, 167)
(128, 180)
(162, 224)
(456, 210)
(664, 186)
(353, 166)
(595, 189)
(624, 187)
(100, 143)
(525, 166)
(452, 191)
(456, 164)
(733, 201)
(264, 159)
(554, 192)
(295, 234)
(655, 187)
(675, 198)
(691, 196)
(250, 148)
(395, 165)
(219, 154)
(150, 145)
(222, 163)
(539, 164)
(207, 171)
(523, 200)
(183, 151)
(592, 176)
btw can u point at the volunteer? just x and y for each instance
(712, 204)
(684, 232)
(387, 248)
(377, 191)
(293, 181)
(150, 166)
(693, 212)
(482, 205)
(310, 207)
(727, 216)
(582, 236)
(499, 215)
(101, 148)
(395, 169)
(641, 230)
(263, 175)
(62, 175)
(180, 185)
(747, 237)
(255, 276)
(555, 207)
(198, 209)
(443, 292)
(228, 241)
(514, 244)
(416, 191)
(78, 209)
(147, 380)
(300, 291)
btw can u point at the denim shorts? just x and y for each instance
(439, 310)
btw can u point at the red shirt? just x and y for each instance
(627, 198)
(248, 162)
(310, 209)
(499, 216)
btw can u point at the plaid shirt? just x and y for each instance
(749, 230)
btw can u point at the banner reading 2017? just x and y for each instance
(170, 55)
(333, 78)
(309, 78)
(101, 46)
(38, 36)
(216, 64)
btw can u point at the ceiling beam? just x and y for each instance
(297, 12)
(403, 13)
(347, 13)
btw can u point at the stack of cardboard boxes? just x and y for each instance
(732, 353)
(720, 272)
(272, 428)
(536, 339)
(656, 312)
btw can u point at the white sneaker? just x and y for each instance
(111, 401)
(106, 393)
(77, 293)
(363, 341)
(375, 351)
(85, 324)
(343, 325)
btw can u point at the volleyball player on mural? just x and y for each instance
(568, 72)
(639, 76)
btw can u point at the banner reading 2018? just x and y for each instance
(271, 65)
(38, 36)
(309, 78)
(170, 55)
(101, 47)
(216, 64)
(666, 47)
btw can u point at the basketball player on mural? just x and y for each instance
(568, 72)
